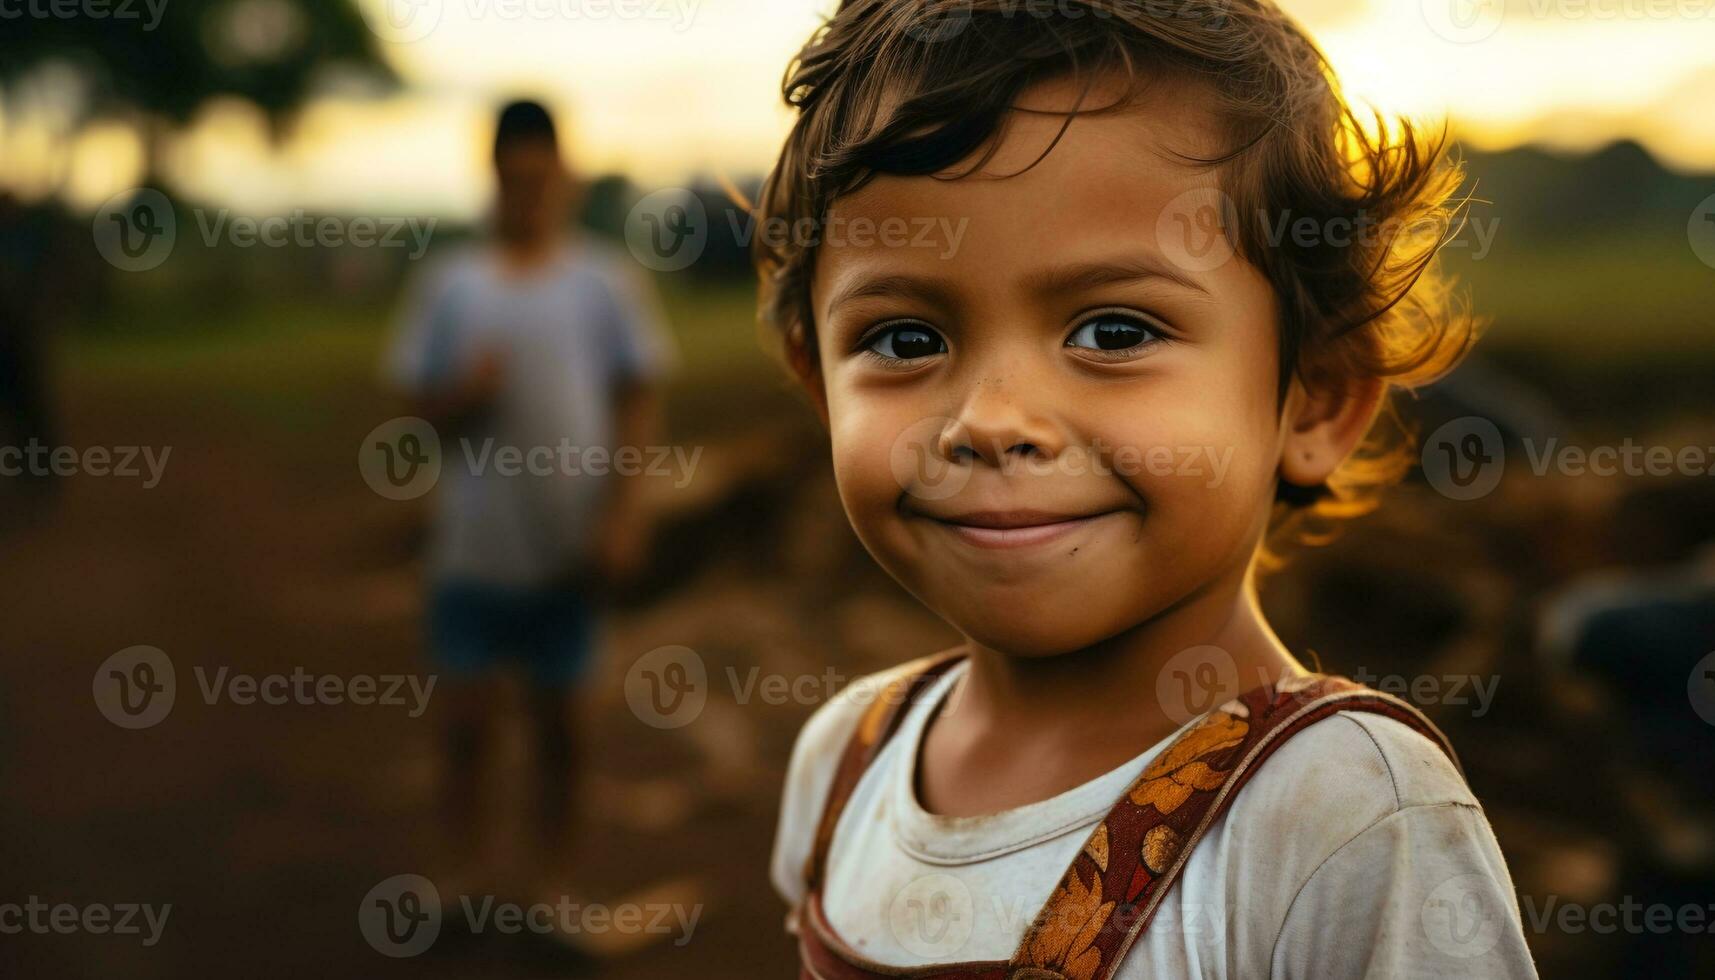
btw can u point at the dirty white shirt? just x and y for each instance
(569, 335)
(1356, 851)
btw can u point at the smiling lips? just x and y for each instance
(1015, 528)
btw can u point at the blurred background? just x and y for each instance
(1582, 600)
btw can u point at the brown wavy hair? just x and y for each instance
(914, 87)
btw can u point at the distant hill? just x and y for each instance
(1545, 196)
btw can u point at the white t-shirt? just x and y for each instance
(567, 336)
(1355, 851)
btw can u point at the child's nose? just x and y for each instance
(999, 422)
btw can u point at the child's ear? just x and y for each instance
(1324, 424)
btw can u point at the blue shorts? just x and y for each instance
(476, 628)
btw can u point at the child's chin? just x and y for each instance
(1027, 636)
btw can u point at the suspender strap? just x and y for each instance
(880, 720)
(1133, 858)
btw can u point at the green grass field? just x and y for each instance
(1637, 301)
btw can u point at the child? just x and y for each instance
(1120, 380)
(529, 344)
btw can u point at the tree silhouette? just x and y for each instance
(154, 63)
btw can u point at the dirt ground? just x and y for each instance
(263, 551)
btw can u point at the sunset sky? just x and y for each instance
(678, 87)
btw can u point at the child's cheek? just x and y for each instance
(861, 434)
(1207, 466)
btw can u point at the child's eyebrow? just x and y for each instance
(1053, 281)
(924, 289)
(1084, 276)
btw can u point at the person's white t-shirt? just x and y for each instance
(567, 336)
(1355, 851)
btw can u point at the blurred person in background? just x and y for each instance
(541, 341)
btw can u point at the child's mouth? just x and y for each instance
(1015, 529)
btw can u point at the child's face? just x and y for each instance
(1115, 409)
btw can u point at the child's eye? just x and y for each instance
(1114, 333)
(905, 342)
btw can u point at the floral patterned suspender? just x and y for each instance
(1132, 859)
